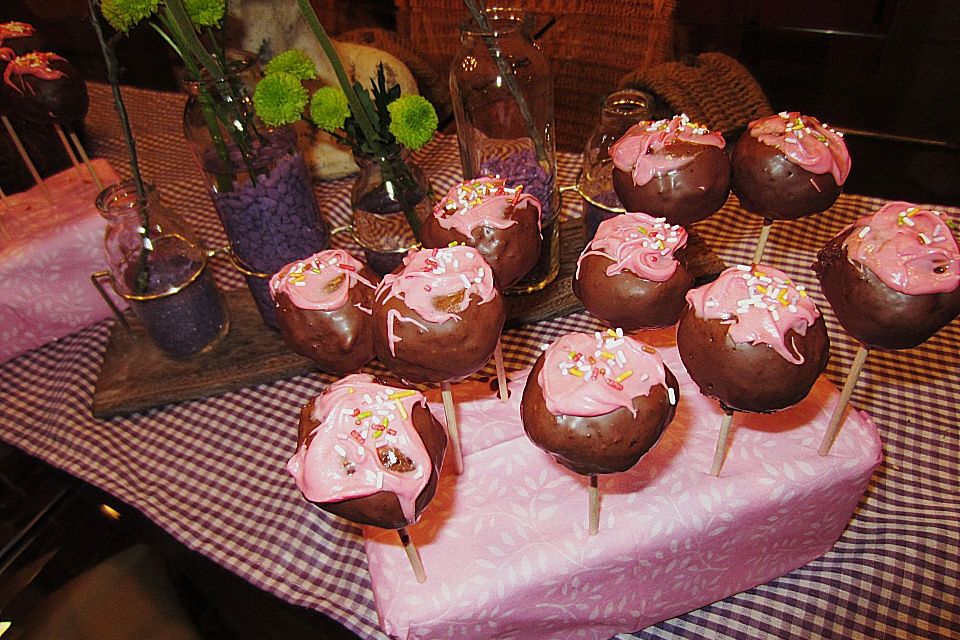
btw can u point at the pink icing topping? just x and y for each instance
(644, 149)
(449, 276)
(911, 250)
(761, 304)
(15, 30)
(481, 202)
(805, 142)
(321, 282)
(639, 243)
(365, 443)
(592, 375)
(33, 64)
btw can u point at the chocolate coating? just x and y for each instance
(748, 377)
(628, 301)
(339, 341)
(382, 509)
(685, 195)
(872, 312)
(511, 252)
(769, 184)
(451, 350)
(64, 99)
(608, 443)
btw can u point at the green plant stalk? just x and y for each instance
(364, 119)
(511, 81)
(180, 22)
(361, 115)
(206, 103)
(394, 169)
(141, 280)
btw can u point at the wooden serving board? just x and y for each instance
(136, 375)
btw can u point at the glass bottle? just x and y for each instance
(502, 92)
(158, 266)
(621, 110)
(386, 194)
(260, 184)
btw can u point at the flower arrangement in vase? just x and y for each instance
(391, 196)
(258, 181)
(156, 262)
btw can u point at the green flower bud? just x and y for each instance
(412, 121)
(329, 108)
(293, 61)
(279, 99)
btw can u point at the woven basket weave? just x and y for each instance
(712, 88)
(591, 46)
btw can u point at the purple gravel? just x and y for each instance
(521, 167)
(185, 322)
(274, 220)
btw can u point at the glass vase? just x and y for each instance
(259, 183)
(159, 267)
(621, 110)
(390, 196)
(502, 92)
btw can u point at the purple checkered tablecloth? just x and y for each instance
(211, 472)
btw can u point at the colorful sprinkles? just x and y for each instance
(607, 362)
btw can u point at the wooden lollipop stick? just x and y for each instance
(86, 160)
(594, 493)
(501, 373)
(66, 145)
(762, 240)
(852, 376)
(3, 199)
(412, 554)
(452, 431)
(721, 452)
(26, 159)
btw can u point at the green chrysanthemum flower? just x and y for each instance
(123, 14)
(279, 99)
(205, 13)
(293, 61)
(329, 108)
(412, 121)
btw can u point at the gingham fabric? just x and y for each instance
(211, 472)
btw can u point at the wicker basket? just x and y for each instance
(712, 88)
(591, 46)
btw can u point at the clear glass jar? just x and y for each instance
(259, 183)
(502, 92)
(160, 268)
(389, 196)
(621, 110)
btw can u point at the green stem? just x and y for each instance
(142, 278)
(394, 169)
(510, 79)
(364, 119)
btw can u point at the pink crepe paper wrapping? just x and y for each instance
(506, 549)
(47, 253)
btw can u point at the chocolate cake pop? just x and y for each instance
(753, 340)
(787, 166)
(502, 223)
(674, 169)
(893, 278)
(371, 453)
(598, 403)
(43, 86)
(324, 309)
(631, 275)
(439, 316)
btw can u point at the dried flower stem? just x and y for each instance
(142, 279)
